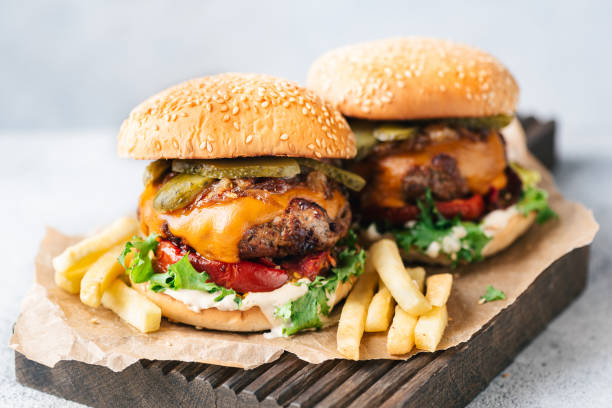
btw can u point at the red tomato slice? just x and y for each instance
(467, 209)
(308, 266)
(244, 276)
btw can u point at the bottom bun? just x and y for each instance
(249, 320)
(502, 236)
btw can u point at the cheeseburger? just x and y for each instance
(427, 116)
(245, 217)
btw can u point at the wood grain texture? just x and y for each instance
(449, 378)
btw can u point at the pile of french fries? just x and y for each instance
(389, 296)
(90, 268)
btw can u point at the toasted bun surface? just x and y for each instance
(249, 320)
(232, 115)
(413, 78)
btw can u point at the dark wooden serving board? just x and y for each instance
(450, 378)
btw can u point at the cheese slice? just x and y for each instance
(481, 163)
(214, 229)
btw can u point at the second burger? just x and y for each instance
(427, 115)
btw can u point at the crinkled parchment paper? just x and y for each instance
(55, 325)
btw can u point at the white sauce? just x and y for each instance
(433, 250)
(269, 301)
(197, 300)
(497, 220)
(372, 234)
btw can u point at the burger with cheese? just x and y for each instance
(427, 116)
(245, 217)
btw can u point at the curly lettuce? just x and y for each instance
(309, 311)
(431, 229)
(180, 275)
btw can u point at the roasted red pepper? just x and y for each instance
(244, 276)
(309, 266)
(467, 209)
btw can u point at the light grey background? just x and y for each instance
(70, 71)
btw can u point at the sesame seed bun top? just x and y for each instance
(413, 78)
(232, 115)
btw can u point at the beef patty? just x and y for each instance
(304, 228)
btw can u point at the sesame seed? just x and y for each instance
(304, 111)
(236, 126)
(226, 117)
(248, 139)
(311, 146)
(284, 137)
(318, 154)
(265, 104)
(235, 110)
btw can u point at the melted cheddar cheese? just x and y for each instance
(481, 163)
(214, 229)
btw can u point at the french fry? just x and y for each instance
(72, 264)
(100, 275)
(400, 339)
(380, 311)
(353, 316)
(439, 288)
(132, 307)
(418, 275)
(386, 259)
(429, 329)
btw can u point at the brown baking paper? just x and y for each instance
(55, 325)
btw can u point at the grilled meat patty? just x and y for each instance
(305, 227)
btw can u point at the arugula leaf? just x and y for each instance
(533, 198)
(182, 275)
(536, 199)
(492, 294)
(141, 268)
(306, 311)
(431, 226)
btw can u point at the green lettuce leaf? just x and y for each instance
(141, 268)
(432, 227)
(182, 275)
(492, 294)
(536, 199)
(306, 312)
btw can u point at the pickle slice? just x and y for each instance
(180, 191)
(351, 180)
(485, 122)
(239, 168)
(364, 136)
(154, 171)
(393, 131)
